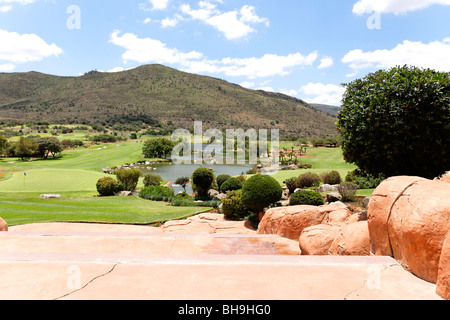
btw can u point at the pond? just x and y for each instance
(171, 172)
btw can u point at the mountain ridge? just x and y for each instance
(159, 92)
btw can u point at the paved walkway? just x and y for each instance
(86, 261)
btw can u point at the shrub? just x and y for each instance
(203, 178)
(221, 179)
(332, 177)
(348, 191)
(291, 184)
(233, 207)
(191, 203)
(231, 184)
(128, 178)
(107, 187)
(152, 180)
(308, 180)
(260, 191)
(396, 122)
(312, 198)
(158, 148)
(183, 181)
(157, 193)
(364, 180)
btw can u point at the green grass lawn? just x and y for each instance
(74, 176)
(18, 209)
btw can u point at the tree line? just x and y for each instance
(31, 147)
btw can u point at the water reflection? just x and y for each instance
(171, 172)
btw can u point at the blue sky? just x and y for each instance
(302, 48)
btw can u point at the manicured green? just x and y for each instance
(18, 209)
(75, 177)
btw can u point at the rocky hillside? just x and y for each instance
(155, 92)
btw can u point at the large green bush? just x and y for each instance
(128, 178)
(260, 191)
(233, 208)
(157, 193)
(151, 179)
(221, 179)
(203, 179)
(397, 122)
(332, 177)
(231, 184)
(311, 198)
(107, 187)
(308, 180)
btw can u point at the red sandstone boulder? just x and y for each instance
(409, 219)
(443, 283)
(316, 240)
(289, 222)
(382, 200)
(352, 240)
(3, 225)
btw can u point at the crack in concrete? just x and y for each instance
(87, 284)
(365, 285)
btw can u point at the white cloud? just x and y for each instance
(7, 67)
(233, 24)
(156, 5)
(247, 84)
(434, 55)
(323, 93)
(6, 5)
(249, 15)
(4, 9)
(326, 62)
(170, 22)
(255, 67)
(148, 50)
(394, 6)
(21, 48)
(116, 69)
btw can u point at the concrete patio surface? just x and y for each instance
(113, 262)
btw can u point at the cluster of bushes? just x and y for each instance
(33, 146)
(257, 193)
(160, 193)
(71, 144)
(312, 198)
(127, 180)
(310, 180)
(364, 180)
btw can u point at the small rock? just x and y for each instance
(333, 197)
(366, 201)
(327, 187)
(124, 193)
(339, 204)
(50, 196)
